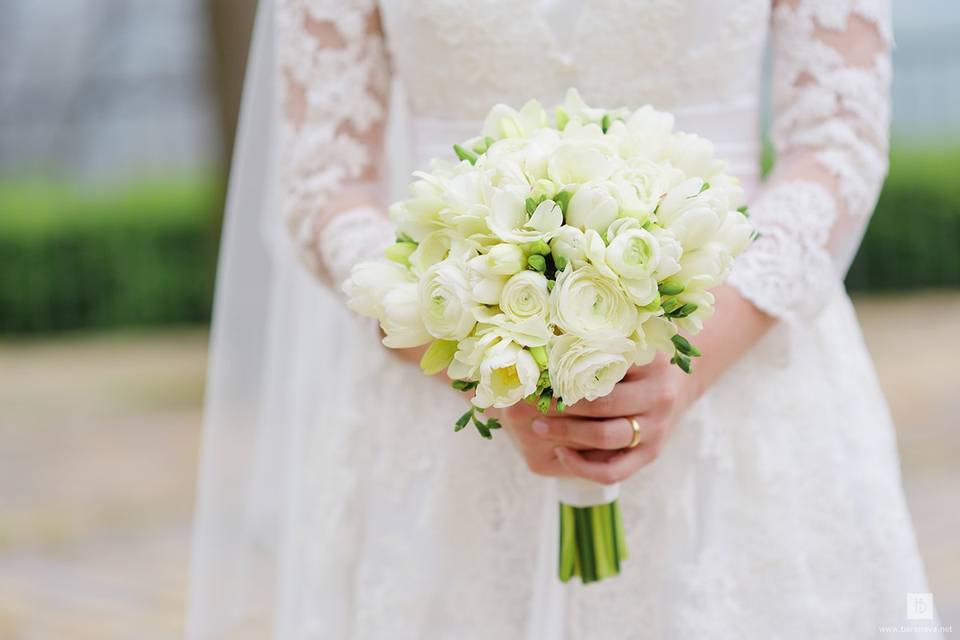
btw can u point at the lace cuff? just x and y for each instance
(831, 79)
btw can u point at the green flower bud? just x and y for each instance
(438, 356)
(671, 288)
(540, 355)
(560, 262)
(465, 154)
(605, 122)
(562, 118)
(539, 247)
(537, 263)
(563, 200)
(683, 346)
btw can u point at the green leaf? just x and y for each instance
(437, 356)
(402, 237)
(464, 420)
(465, 154)
(670, 288)
(744, 210)
(670, 305)
(537, 263)
(683, 346)
(493, 423)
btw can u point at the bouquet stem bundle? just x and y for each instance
(592, 542)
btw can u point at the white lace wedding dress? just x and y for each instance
(775, 511)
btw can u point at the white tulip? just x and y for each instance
(584, 302)
(579, 162)
(735, 232)
(689, 214)
(525, 296)
(508, 374)
(587, 368)
(670, 253)
(705, 267)
(592, 207)
(446, 302)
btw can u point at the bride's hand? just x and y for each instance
(590, 439)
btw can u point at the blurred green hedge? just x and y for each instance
(146, 255)
(913, 240)
(74, 259)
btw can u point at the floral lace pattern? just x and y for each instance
(335, 76)
(833, 111)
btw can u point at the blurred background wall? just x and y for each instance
(116, 123)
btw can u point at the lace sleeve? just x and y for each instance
(334, 78)
(831, 78)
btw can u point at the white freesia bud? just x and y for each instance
(505, 122)
(509, 220)
(670, 253)
(369, 283)
(735, 232)
(508, 374)
(704, 300)
(584, 302)
(692, 154)
(688, 214)
(569, 247)
(525, 296)
(705, 267)
(634, 254)
(587, 368)
(652, 337)
(401, 319)
(502, 259)
(592, 207)
(579, 162)
(445, 301)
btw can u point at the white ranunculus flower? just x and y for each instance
(525, 296)
(401, 320)
(592, 207)
(580, 161)
(634, 254)
(508, 374)
(584, 302)
(505, 122)
(689, 214)
(510, 222)
(569, 246)
(735, 232)
(370, 282)
(446, 302)
(587, 368)
(653, 336)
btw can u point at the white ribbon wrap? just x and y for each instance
(578, 492)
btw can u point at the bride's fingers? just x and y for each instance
(617, 468)
(592, 434)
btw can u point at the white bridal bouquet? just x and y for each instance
(553, 256)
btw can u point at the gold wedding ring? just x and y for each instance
(636, 433)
